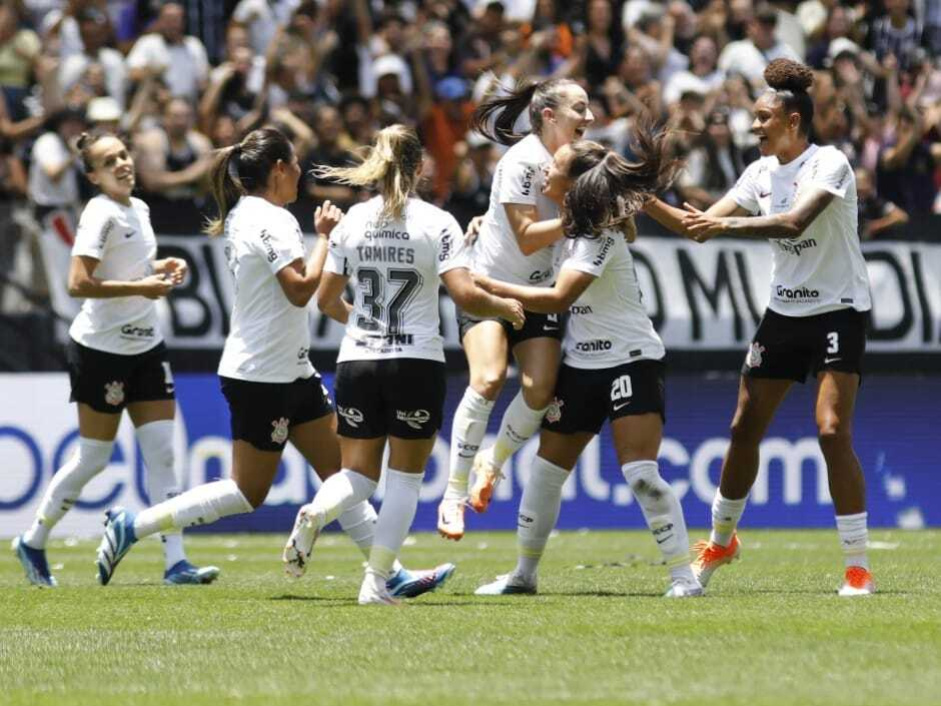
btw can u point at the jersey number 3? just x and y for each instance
(371, 285)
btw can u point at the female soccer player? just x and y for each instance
(512, 247)
(273, 391)
(390, 383)
(117, 358)
(613, 359)
(804, 196)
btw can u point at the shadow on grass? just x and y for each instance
(345, 602)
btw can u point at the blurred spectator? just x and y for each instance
(654, 33)
(713, 163)
(548, 32)
(876, 215)
(895, 33)
(907, 165)
(12, 190)
(104, 113)
(234, 89)
(358, 119)
(263, 19)
(637, 75)
(473, 176)
(93, 28)
(750, 56)
(19, 51)
(444, 124)
(178, 59)
(481, 48)
(329, 152)
(702, 76)
(604, 43)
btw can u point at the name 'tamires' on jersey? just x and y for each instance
(823, 270)
(394, 266)
(608, 324)
(122, 240)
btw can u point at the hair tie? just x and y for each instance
(233, 166)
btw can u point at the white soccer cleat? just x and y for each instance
(451, 518)
(683, 588)
(486, 476)
(507, 585)
(857, 582)
(300, 544)
(373, 591)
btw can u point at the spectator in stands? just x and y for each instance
(168, 53)
(473, 178)
(329, 152)
(654, 33)
(702, 75)
(19, 51)
(173, 160)
(263, 19)
(751, 55)
(637, 75)
(445, 124)
(94, 30)
(481, 48)
(713, 164)
(876, 215)
(12, 191)
(907, 165)
(604, 43)
(894, 33)
(234, 89)
(358, 120)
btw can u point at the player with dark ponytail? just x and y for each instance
(802, 197)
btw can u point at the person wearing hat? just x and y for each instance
(443, 125)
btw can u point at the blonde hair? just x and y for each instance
(392, 165)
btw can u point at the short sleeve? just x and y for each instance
(280, 244)
(337, 262)
(450, 246)
(745, 191)
(521, 182)
(590, 256)
(831, 172)
(95, 227)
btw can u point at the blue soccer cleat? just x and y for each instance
(34, 562)
(507, 585)
(183, 573)
(410, 584)
(118, 538)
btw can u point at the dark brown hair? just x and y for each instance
(244, 169)
(505, 110)
(790, 81)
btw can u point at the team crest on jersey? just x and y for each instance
(416, 419)
(554, 413)
(279, 431)
(353, 416)
(114, 393)
(753, 359)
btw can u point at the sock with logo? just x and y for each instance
(359, 523)
(663, 514)
(538, 513)
(853, 538)
(90, 458)
(156, 445)
(467, 433)
(395, 519)
(338, 494)
(518, 425)
(725, 517)
(201, 505)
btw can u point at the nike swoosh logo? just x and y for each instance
(827, 361)
(620, 406)
(763, 196)
(661, 541)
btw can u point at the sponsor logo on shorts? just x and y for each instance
(353, 416)
(595, 346)
(114, 393)
(753, 359)
(794, 247)
(269, 248)
(828, 361)
(131, 331)
(622, 405)
(279, 430)
(416, 419)
(554, 413)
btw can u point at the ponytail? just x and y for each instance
(392, 165)
(495, 118)
(226, 188)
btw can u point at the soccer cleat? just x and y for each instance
(710, 557)
(34, 563)
(684, 589)
(503, 587)
(118, 538)
(411, 584)
(373, 591)
(857, 582)
(451, 518)
(183, 573)
(296, 554)
(486, 477)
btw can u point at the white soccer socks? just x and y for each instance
(201, 505)
(90, 458)
(538, 513)
(854, 535)
(518, 425)
(467, 433)
(725, 518)
(395, 519)
(156, 445)
(339, 493)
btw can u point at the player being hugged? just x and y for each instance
(390, 381)
(803, 198)
(274, 393)
(116, 355)
(513, 246)
(613, 358)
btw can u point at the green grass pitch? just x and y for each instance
(771, 630)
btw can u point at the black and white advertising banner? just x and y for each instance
(700, 297)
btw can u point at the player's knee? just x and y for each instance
(538, 396)
(255, 495)
(744, 433)
(488, 383)
(833, 435)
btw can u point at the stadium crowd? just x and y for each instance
(182, 78)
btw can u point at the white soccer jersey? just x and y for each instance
(608, 324)
(394, 268)
(823, 270)
(122, 240)
(269, 337)
(518, 180)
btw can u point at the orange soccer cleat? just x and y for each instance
(710, 557)
(857, 582)
(486, 476)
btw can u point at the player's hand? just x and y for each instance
(174, 270)
(473, 230)
(326, 218)
(514, 313)
(154, 287)
(699, 226)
